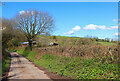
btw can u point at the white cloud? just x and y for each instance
(112, 27)
(27, 12)
(22, 12)
(115, 20)
(94, 27)
(116, 34)
(76, 28)
(69, 33)
(90, 27)
(101, 27)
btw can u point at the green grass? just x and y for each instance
(76, 67)
(12, 50)
(60, 37)
(5, 63)
(66, 37)
(106, 43)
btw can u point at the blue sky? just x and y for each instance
(59, 0)
(74, 18)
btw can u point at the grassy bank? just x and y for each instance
(5, 62)
(43, 41)
(75, 67)
(106, 43)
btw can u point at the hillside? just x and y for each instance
(61, 40)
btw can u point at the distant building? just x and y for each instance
(26, 43)
(53, 44)
(34, 42)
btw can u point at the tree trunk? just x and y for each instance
(30, 45)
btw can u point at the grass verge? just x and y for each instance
(75, 67)
(5, 62)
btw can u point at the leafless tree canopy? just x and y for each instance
(3, 3)
(33, 23)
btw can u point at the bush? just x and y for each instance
(83, 41)
(54, 37)
(43, 41)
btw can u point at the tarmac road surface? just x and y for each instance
(22, 68)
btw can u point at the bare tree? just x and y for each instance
(33, 23)
(2, 3)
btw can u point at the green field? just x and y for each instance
(59, 37)
(106, 43)
(61, 40)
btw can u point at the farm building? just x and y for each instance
(26, 43)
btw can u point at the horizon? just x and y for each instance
(79, 19)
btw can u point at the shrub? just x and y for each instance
(54, 37)
(43, 41)
(83, 41)
(85, 51)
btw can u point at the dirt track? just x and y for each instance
(21, 68)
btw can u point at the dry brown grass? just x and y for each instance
(84, 51)
(81, 47)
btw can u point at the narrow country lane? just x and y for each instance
(22, 68)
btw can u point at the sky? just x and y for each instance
(78, 19)
(60, 0)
